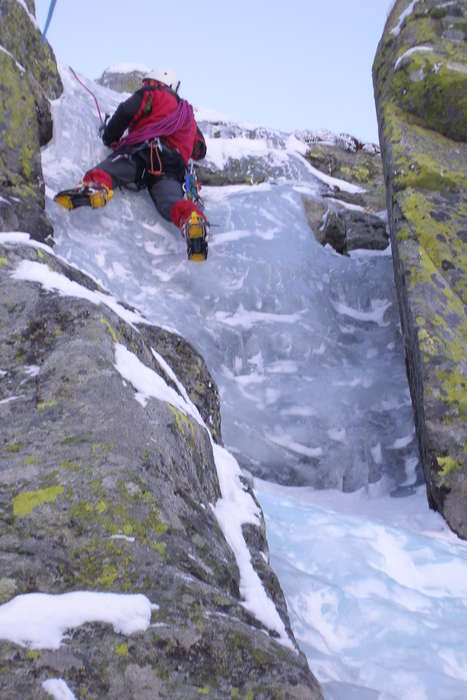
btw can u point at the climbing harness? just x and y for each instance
(49, 18)
(90, 92)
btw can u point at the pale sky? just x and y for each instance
(301, 64)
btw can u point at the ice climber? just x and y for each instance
(162, 137)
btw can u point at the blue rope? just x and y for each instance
(49, 18)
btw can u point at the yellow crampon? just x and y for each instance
(100, 198)
(194, 231)
(84, 195)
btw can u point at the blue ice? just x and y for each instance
(306, 349)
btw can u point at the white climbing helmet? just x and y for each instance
(163, 75)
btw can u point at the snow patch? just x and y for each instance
(29, 14)
(10, 398)
(235, 508)
(22, 238)
(52, 281)
(58, 689)
(409, 52)
(221, 150)
(396, 30)
(32, 370)
(148, 383)
(334, 182)
(40, 620)
(18, 65)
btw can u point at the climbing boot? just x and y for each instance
(86, 194)
(194, 230)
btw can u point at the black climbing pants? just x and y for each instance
(131, 169)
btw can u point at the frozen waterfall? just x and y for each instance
(305, 347)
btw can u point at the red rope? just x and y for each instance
(90, 92)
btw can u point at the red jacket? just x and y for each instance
(152, 103)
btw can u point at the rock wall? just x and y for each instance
(104, 487)
(29, 78)
(420, 81)
(122, 82)
(108, 479)
(345, 220)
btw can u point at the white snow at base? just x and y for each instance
(40, 620)
(58, 689)
(376, 589)
(234, 509)
(409, 52)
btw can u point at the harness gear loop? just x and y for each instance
(154, 146)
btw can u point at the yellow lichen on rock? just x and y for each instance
(420, 79)
(25, 502)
